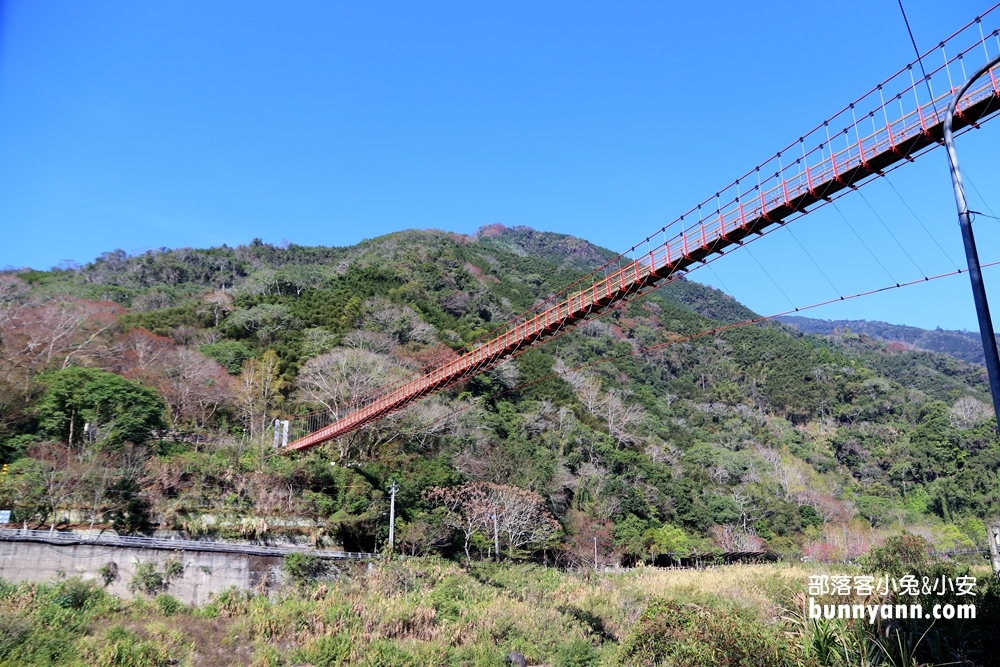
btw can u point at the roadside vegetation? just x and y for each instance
(431, 611)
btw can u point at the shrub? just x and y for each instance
(168, 604)
(146, 578)
(577, 653)
(329, 651)
(303, 568)
(676, 635)
(14, 631)
(901, 554)
(75, 594)
(174, 568)
(125, 649)
(108, 572)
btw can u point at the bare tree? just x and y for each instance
(60, 473)
(220, 303)
(520, 517)
(465, 508)
(341, 379)
(372, 341)
(194, 386)
(139, 352)
(588, 390)
(735, 538)
(751, 508)
(620, 417)
(54, 333)
(257, 392)
(967, 412)
(507, 514)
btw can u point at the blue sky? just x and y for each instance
(146, 125)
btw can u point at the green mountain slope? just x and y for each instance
(636, 428)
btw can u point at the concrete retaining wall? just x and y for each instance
(204, 573)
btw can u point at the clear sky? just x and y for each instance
(170, 124)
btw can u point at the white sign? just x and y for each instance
(4, 516)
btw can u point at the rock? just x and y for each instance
(515, 658)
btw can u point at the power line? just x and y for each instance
(965, 175)
(717, 277)
(920, 60)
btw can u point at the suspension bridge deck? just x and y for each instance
(902, 127)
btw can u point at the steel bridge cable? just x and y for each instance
(719, 278)
(772, 279)
(711, 332)
(874, 256)
(912, 148)
(889, 231)
(920, 222)
(965, 175)
(646, 288)
(560, 331)
(670, 278)
(823, 273)
(684, 272)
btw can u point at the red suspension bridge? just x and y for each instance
(895, 122)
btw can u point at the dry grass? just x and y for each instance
(429, 612)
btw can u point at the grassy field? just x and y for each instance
(431, 612)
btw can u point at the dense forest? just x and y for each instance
(137, 393)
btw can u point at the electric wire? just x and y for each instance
(920, 60)
(974, 214)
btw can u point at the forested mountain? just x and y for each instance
(138, 392)
(964, 345)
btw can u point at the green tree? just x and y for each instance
(132, 513)
(116, 409)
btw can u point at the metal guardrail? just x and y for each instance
(131, 542)
(959, 552)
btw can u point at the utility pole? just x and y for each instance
(392, 515)
(971, 253)
(976, 276)
(595, 553)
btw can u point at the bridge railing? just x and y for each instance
(905, 116)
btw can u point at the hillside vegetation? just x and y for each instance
(138, 393)
(963, 345)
